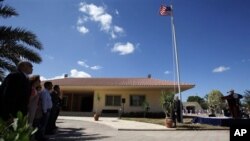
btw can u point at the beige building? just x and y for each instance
(112, 94)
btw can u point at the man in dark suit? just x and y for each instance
(57, 103)
(15, 92)
(233, 100)
(178, 107)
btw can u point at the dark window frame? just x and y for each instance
(136, 102)
(114, 100)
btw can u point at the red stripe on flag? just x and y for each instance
(165, 10)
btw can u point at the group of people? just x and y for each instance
(20, 92)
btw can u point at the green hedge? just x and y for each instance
(148, 114)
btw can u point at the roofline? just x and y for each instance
(94, 88)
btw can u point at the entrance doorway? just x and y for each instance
(87, 102)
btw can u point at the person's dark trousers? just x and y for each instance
(54, 118)
(173, 118)
(57, 114)
(178, 116)
(40, 135)
(51, 123)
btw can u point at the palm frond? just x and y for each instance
(8, 65)
(8, 52)
(16, 44)
(9, 34)
(28, 54)
(16, 52)
(2, 75)
(7, 11)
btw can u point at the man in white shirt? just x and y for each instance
(46, 107)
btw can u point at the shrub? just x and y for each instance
(18, 130)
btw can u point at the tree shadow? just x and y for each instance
(74, 134)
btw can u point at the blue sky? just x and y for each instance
(128, 38)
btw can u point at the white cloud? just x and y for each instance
(82, 20)
(82, 63)
(221, 69)
(56, 77)
(105, 21)
(76, 73)
(167, 72)
(245, 60)
(49, 57)
(91, 9)
(82, 29)
(123, 49)
(98, 14)
(96, 67)
(116, 12)
(113, 35)
(118, 29)
(42, 78)
(73, 73)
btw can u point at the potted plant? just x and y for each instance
(97, 114)
(167, 103)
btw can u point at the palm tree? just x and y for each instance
(16, 44)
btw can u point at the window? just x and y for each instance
(113, 100)
(137, 100)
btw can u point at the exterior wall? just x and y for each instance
(152, 97)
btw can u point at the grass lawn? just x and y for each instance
(187, 124)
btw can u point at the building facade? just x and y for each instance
(113, 94)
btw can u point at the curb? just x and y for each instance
(122, 129)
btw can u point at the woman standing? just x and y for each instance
(34, 97)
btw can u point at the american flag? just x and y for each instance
(165, 10)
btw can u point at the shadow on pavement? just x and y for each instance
(74, 134)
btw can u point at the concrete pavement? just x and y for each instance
(120, 124)
(113, 129)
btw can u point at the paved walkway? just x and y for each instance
(120, 124)
(113, 129)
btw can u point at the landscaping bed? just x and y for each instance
(186, 125)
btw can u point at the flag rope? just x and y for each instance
(176, 62)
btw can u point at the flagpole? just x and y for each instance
(177, 62)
